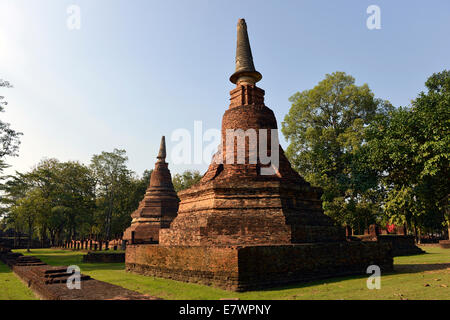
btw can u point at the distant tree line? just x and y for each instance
(58, 201)
(375, 163)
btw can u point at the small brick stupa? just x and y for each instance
(252, 224)
(159, 206)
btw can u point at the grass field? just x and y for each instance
(425, 276)
(11, 288)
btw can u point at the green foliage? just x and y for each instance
(112, 175)
(29, 209)
(185, 180)
(326, 128)
(118, 192)
(410, 148)
(65, 192)
(75, 201)
(9, 138)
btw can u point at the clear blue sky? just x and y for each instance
(140, 69)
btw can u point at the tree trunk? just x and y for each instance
(44, 236)
(109, 217)
(52, 238)
(415, 233)
(29, 237)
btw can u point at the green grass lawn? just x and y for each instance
(11, 288)
(425, 276)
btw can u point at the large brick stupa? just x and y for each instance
(252, 223)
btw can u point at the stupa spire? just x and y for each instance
(245, 69)
(162, 150)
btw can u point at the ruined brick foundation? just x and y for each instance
(444, 244)
(242, 268)
(50, 282)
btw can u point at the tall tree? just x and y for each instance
(75, 197)
(410, 150)
(112, 176)
(325, 128)
(27, 210)
(9, 138)
(132, 192)
(14, 189)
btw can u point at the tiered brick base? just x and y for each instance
(241, 268)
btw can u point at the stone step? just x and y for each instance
(57, 275)
(64, 279)
(29, 264)
(26, 259)
(43, 272)
(22, 259)
(49, 273)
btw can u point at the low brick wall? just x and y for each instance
(426, 245)
(102, 257)
(401, 245)
(241, 268)
(444, 244)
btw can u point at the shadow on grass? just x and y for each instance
(62, 260)
(67, 258)
(101, 266)
(4, 268)
(398, 269)
(312, 283)
(418, 268)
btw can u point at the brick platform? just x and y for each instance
(241, 268)
(402, 245)
(444, 244)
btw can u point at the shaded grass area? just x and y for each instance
(11, 288)
(107, 252)
(425, 276)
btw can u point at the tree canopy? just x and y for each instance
(375, 163)
(326, 128)
(409, 148)
(9, 138)
(185, 180)
(58, 201)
